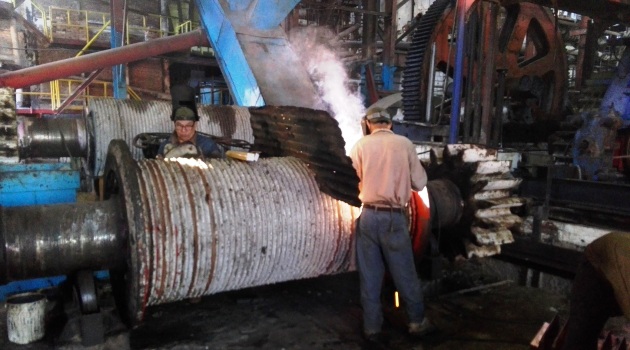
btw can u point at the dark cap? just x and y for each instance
(185, 113)
(375, 115)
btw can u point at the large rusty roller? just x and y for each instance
(197, 228)
(185, 228)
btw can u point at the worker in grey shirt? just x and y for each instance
(388, 170)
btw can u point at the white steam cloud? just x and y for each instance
(313, 46)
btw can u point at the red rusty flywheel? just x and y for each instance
(527, 47)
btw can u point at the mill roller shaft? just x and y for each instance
(179, 229)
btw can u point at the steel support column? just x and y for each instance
(369, 29)
(389, 45)
(462, 7)
(490, 11)
(118, 12)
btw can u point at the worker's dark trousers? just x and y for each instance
(383, 240)
(592, 303)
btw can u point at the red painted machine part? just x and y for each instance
(419, 225)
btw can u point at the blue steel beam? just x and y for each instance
(119, 81)
(261, 14)
(462, 7)
(254, 53)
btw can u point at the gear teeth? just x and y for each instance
(412, 74)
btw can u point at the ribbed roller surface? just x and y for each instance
(228, 121)
(312, 136)
(413, 74)
(223, 225)
(110, 119)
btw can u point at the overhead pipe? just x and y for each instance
(88, 63)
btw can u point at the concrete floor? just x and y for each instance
(472, 311)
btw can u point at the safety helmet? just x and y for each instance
(185, 113)
(377, 114)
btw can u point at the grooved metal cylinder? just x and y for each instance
(110, 119)
(52, 138)
(183, 228)
(51, 240)
(223, 225)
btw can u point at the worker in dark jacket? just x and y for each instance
(186, 141)
(601, 289)
(388, 168)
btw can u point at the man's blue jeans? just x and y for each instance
(383, 237)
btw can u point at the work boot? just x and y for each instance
(375, 341)
(421, 329)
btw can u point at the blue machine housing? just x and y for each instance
(37, 184)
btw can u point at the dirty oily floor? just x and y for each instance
(470, 310)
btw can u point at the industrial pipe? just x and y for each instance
(87, 63)
(187, 228)
(52, 240)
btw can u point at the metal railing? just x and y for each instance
(81, 24)
(63, 88)
(93, 26)
(42, 12)
(184, 27)
(74, 24)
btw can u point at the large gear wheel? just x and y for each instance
(528, 48)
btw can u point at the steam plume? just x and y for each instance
(313, 45)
